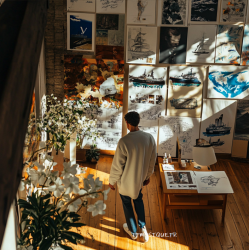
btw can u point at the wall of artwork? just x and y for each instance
(173, 59)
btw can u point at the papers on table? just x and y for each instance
(167, 167)
(180, 180)
(213, 182)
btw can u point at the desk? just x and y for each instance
(189, 199)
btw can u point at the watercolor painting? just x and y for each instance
(245, 47)
(228, 44)
(228, 82)
(233, 11)
(80, 31)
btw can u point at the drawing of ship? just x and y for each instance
(139, 49)
(200, 47)
(216, 143)
(188, 79)
(184, 103)
(219, 128)
(147, 79)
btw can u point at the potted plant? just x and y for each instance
(93, 153)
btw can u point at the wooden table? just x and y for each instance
(189, 199)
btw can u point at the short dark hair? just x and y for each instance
(132, 118)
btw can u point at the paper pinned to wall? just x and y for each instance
(185, 91)
(113, 6)
(217, 126)
(81, 5)
(245, 47)
(230, 82)
(141, 44)
(141, 12)
(201, 44)
(185, 128)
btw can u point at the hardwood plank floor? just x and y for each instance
(196, 229)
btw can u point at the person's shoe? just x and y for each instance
(133, 236)
(145, 234)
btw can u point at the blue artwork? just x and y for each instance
(245, 47)
(229, 84)
(80, 32)
(228, 44)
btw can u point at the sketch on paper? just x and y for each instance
(213, 182)
(141, 11)
(148, 99)
(204, 10)
(185, 91)
(201, 43)
(80, 30)
(180, 180)
(218, 121)
(114, 6)
(242, 120)
(141, 46)
(233, 11)
(149, 127)
(228, 44)
(81, 5)
(147, 80)
(184, 103)
(110, 36)
(228, 82)
(185, 128)
(245, 46)
(174, 12)
(98, 81)
(173, 45)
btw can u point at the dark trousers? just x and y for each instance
(129, 213)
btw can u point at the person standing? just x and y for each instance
(132, 166)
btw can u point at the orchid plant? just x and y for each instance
(53, 202)
(63, 119)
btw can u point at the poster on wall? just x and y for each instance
(203, 11)
(231, 82)
(185, 91)
(245, 47)
(110, 36)
(80, 31)
(147, 93)
(106, 6)
(233, 11)
(173, 12)
(229, 38)
(217, 125)
(141, 12)
(149, 127)
(173, 45)
(185, 128)
(141, 44)
(81, 5)
(201, 44)
(242, 121)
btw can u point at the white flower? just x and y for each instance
(68, 170)
(57, 188)
(97, 208)
(71, 184)
(73, 207)
(82, 192)
(105, 194)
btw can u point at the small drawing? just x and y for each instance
(184, 103)
(189, 79)
(210, 180)
(141, 6)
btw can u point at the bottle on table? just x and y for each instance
(165, 159)
(169, 159)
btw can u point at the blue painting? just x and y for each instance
(80, 31)
(245, 47)
(228, 44)
(228, 82)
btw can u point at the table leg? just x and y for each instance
(224, 207)
(164, 206)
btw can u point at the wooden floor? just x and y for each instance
(196, 229)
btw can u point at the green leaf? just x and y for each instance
(76, 224)
(76, 235)
(65, 247)
(46, 244)
(69, 238)
(47, 196)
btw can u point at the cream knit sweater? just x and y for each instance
(133, 162)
